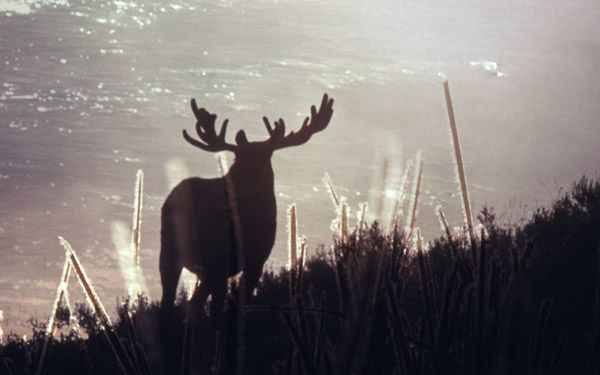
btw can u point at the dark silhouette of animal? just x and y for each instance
(201, 230)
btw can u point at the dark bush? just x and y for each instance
(524, 299)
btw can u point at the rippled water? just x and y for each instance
(92, 91)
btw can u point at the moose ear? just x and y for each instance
(240, 138)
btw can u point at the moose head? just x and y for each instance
(198, 229)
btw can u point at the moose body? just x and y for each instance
(219, 227)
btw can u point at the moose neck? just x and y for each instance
(253, 176)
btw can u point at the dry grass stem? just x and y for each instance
(293, 237)
(399, 204)
(61, 294)
(419, 240)
(232, 205)
(460, 169)
(331, 190)
(362, 214)
(415, 195)
(61, 291)
(132, 274)
(383, 187)
(237, 228)
(115, 343)
(136, 234)
(86, 284)
(344, 229)
(439, 211)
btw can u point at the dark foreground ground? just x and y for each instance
(524, 300)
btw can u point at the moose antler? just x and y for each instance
(205, 127)
(317, 122)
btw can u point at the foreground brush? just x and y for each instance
(527, 304)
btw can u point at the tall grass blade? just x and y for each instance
(299, 301)
(293, 237)
(344, 227)
(480, 318)
(136, 229)
(383, 187)
(362, 215)
(61, 291)
(400, 334)
(460, 169)
(235, 219)
(415, 196)
(132, 273)
(593, 358)
(296, 338)
(292, 247)
(319, 335)
(1, 331)
(233, 208)
(86, 284)
(427, 302)
(331, 190)
(60, 298)
(439, 211)
(399, 204)
(301, 260)
(121, 355)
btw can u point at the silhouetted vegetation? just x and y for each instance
(523, 299)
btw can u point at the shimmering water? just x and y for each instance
(92, 91)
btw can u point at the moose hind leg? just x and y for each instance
(199, 298)
(170, 271)
(250, 279)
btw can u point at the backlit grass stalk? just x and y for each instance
(481, 300)
(383, 187)
(362, 214)
(132, 273)
(237, 228)
(331, 190)
(344, 228)
(86, 285)
(439, 211)
(61, 291)
(460, 169)
(301, 260)
(116, 345)
(61, 295)
(293, 237)
(415, 195)
(233, 208)
(292, 247)
(427, 302)
(186, 331)
(397, 210)
(1, 331)
(136, 230)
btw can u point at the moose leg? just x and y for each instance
(170, 270)
(218, 298)
(199, 298)
(250, 279)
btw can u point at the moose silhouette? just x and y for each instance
(201, 231)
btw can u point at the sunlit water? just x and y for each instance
(92, 91)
